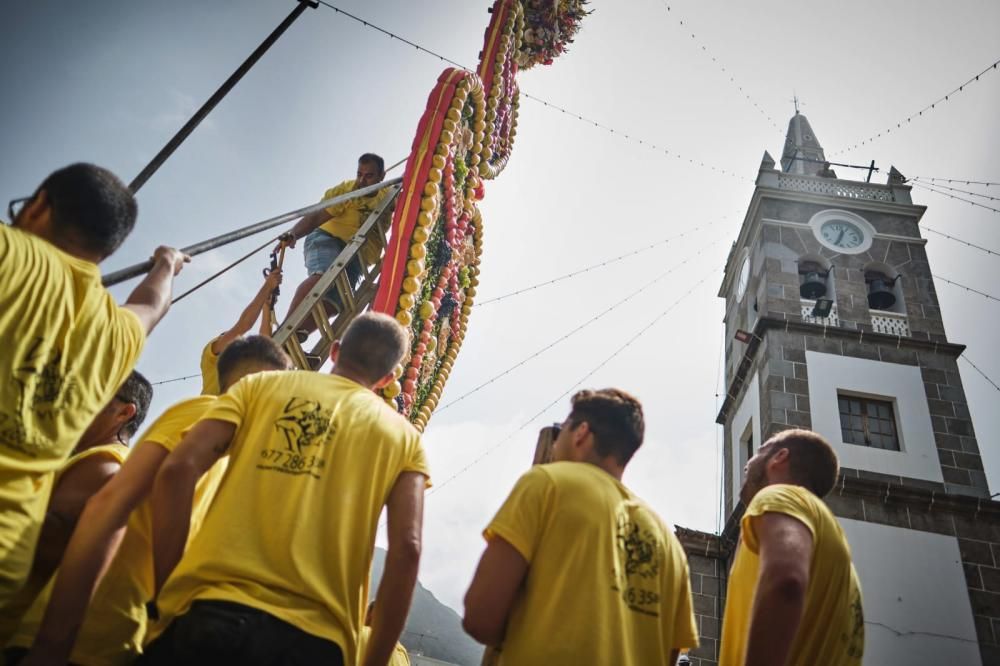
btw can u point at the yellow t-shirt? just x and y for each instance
(607, 581)
(832, 631)
(23, 606)
(311, 465)
(115, 624)
(346, 218)
(67, 347)
(210, 370)
(399, 656)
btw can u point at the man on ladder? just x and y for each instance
(328, 231)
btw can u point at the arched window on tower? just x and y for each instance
(885, 299)
(817, 291)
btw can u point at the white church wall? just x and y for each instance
(900, 384)
(916, 605)
(747, 414)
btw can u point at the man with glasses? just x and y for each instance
(67, 346)
(97, 457)
(577, 569)
(98, 617)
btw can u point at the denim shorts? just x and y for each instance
(321, 250)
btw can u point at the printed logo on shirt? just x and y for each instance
(43, 393)
(304, 426)
(856, 641)
(637, 565)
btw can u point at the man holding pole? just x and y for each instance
(328, 231)
(67, 344)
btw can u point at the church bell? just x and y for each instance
(880, 296)
(813, 286)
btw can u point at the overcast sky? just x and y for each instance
(110, 81)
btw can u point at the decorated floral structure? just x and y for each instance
(431, 267)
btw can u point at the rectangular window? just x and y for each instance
(868, 422)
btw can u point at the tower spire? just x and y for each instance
(802, 153)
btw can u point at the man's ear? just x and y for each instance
(779, 457)
(335, 351)
(385, 381)
(125, 414)
(580, 433)
(37, 214)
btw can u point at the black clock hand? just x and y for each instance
(840, 237)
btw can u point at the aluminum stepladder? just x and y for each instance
(355, 301)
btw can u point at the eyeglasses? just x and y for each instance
(15, 207)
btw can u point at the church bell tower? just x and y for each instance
(833, 324)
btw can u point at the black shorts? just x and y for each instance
(223, 632)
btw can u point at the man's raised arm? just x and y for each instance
(150, 300)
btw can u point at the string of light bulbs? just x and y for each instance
(921, 112)
(955, 189)
(930, 188)
(576, 384)
(729, 74)
(573, 114)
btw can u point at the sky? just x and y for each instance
(110, 81)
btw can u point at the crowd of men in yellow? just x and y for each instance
(240, 527)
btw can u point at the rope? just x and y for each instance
(576, 330)
(587, 269)
(225, 270)
(562, 395)
(921, 111)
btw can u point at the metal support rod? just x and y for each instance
(238, 234)
(223, 90)
(871, 168)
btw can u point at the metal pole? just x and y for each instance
(223, 90)
(238, 234)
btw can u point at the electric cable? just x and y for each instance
(919, 113)
(571, 333)
(577, 383)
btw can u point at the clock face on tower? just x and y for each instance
(843, 234)
(842, 231)
(743, 279)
